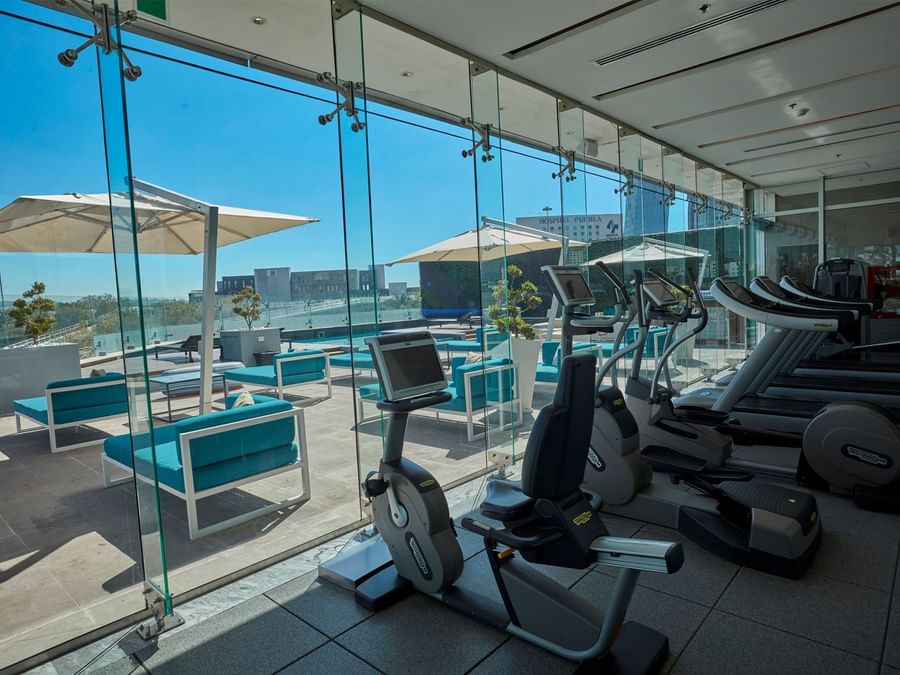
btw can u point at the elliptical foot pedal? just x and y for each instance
(639, 650)
(886, 500)
(383, 589)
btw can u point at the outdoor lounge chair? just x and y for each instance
(493, 336)
(202, 456)
(288, 368)
(548, 367)
(486, 386)
(72, 403)
(190, 345)
(361, 360)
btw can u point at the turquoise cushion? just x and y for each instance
(459, 346)
(170, 472)
(548, 352)
(265, 375)
(36, 409)
(359, 360)
(119, 447)
(494, 383)
(546, 373)
(370, 392)
(114, 394)
(233, 444)
(305, 366)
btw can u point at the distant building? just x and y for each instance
(645, 212)
(378, 279)
(397, 288)
(588, 227)
(195, 297)
(232, 285)
(323, 284)
(273, 284)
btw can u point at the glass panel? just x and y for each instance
(498, 275)
(651, 159)
(601, 141)
(67, 543)
(131, 306)
(791, 241)
(363, 309)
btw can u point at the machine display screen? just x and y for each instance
(411, 369)
(658, 294)
(573, 287)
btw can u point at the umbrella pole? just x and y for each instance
(211, 234)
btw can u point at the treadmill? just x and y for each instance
(749, 398)
(858, 359)
(807, 374)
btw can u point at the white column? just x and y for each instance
(207, 325)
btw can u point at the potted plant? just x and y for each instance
(243, 345)
(513, 296)
(26, 372)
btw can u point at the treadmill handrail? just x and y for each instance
(800, 289)
(769, 291)
(774, 314)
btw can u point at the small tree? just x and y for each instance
(37, 316)
(247, 305)
(510, 300)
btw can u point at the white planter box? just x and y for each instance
(524, 353)
(242, 345)
(25, 372)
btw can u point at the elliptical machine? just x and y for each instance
(546, 519)
(766, 527)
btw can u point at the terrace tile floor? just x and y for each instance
(842, 618)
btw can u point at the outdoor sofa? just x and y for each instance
(220, 451)
(485, 386)
(73, 403)
(288, 368)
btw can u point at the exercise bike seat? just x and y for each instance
(505, 501)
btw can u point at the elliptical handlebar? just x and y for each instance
(615, 281)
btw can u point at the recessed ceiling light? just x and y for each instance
(407, 73)
(704, 8)
(259, 20)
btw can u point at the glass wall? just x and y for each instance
(252, 214)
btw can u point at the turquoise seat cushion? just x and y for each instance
(265, 375)
(224, 446)
(459, 346)
(370, 392)
(36, 409)
(119, 447)
(359, 360)
(95, 397)
(546, 373)
(549, 350)
(170, 472)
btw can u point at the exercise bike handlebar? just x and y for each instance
(507, 538)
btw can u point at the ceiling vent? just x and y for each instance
(690, 30)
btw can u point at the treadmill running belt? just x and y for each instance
(837, 384)
(788, 407)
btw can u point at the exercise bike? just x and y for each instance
(546, 518)
(767, 527)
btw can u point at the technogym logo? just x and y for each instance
(867, 456)
(595, 460)
(421, 563)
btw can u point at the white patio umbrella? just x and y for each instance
(486, 243)
(654, 250)
(167, 223)
(80, 223)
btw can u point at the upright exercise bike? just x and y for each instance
(767, 527)
(546, 518)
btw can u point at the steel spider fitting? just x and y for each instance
(628, 186)
(484, 139)
(348, 93)
(703, 206)
(668, 198)
(102, 37)
(569, 168)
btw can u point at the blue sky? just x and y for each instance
(227, 141)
